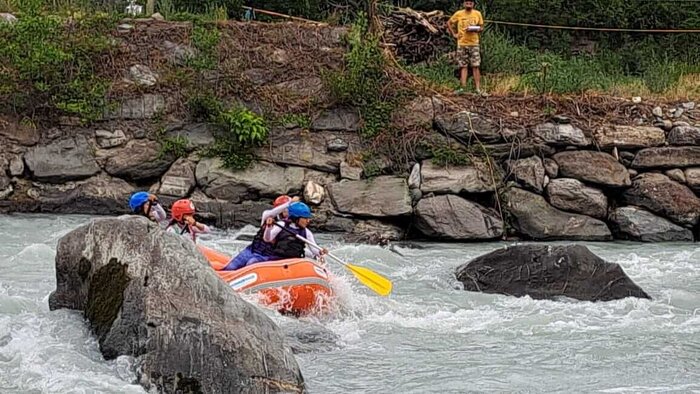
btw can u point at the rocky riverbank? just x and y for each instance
(544, 178)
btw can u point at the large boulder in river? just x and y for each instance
(594, 167)
(378, 197)
(452, 217)
(659, 194)
(260, 179)
(637, 224)
(548, 272)
(574, 196)
(151, 295)
(66, 159)
(533, 217)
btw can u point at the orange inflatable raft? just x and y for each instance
(294, 286)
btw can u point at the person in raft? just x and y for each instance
(260, 250)
(466, 25)
(286, 244)
(147, 205)
(183, 221)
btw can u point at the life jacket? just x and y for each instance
(259, 245)
(287, 245)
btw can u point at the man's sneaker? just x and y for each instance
(482, 94)
(459, 91)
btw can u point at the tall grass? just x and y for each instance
(507, 65)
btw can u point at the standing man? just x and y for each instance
(466, 25)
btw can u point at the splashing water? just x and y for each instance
(429, 336)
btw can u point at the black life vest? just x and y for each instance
(287, 245)
(260, 246)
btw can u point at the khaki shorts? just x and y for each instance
(468, 56)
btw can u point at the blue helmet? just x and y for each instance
(137, 200)
(299, 210)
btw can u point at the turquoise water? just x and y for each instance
(428, 337)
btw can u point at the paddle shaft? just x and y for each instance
(367, 277)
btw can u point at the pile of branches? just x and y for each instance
(415, 36)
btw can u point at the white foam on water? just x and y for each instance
(428, 336)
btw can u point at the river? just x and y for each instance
(428, 337)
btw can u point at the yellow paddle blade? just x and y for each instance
(371, 279)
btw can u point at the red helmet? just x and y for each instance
(281, 200)
(181, 208)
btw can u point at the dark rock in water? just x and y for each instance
(548, 272)
(151, 295)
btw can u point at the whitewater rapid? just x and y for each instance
(429, 336)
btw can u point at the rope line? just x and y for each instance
(495, 22)
(607, 29)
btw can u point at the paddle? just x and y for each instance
(366, 276)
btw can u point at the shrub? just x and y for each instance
(239, 132)
(176, 146)
(363, 81)
(48, 62)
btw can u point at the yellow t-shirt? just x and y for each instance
(463, 20)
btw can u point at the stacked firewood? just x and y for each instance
(417, 36)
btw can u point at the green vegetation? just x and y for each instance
(363, 82)
(299, 120)
(50, 62)
(205, 9)
(206, 40)
(176, 146)
(512, 67)
(239, 132)
(204, 106)
(517, 59)
(444, 155)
